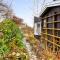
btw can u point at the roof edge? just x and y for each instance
(48, 5)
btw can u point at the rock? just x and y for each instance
(13, 53)
(17, 54)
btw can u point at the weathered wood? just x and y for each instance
(52, 29)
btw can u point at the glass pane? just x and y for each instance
(50, 45)
(44, 31)
(50, 25)
(57, 33)
(57, 25)
(58, 17)
(49, 19)
(57, 40)
(50, 38)
(55, 48)
(58, 48)
(50, 31)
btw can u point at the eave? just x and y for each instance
(47, 6)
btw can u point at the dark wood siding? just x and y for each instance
(51, 28)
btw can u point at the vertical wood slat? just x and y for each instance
(46, 35)
(53, 34)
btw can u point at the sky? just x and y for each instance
(26, 9)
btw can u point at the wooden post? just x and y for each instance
(46, 33)
(53, 34)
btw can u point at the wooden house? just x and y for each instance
(50, 19)
(37, 27)
(50, 30)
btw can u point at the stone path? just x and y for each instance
(30, 52)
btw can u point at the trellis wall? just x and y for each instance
(51, 29)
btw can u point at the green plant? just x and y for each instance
(9, 32)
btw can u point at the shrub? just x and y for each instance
(9, 32)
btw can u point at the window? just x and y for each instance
(57, 33)
(50, 31)
(49, 19)
(57, 17)
(50, 38)
(58, 48)
(50, 25)
(44, 30)
(57, 41)
(55, 48)
(57, 25)
(50, 45)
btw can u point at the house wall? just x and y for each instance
(51, 29)
(51, 11)
(37, 28)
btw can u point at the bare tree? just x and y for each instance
(5, 10)
(1, 0)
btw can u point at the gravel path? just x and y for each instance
(30, 52)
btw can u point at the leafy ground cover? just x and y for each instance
(11, 42)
